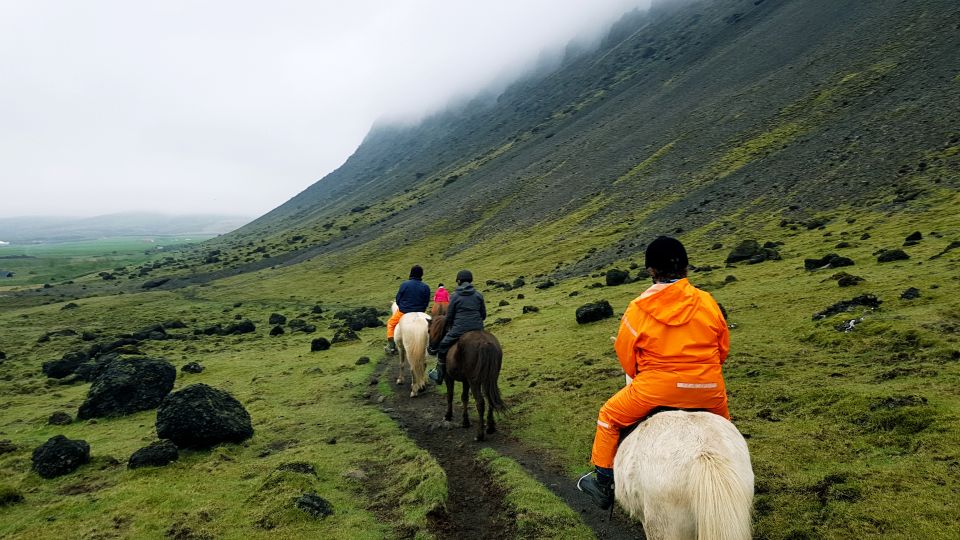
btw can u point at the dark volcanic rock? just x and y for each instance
(531, 309)
(60, 418)
(315, 505)
(58, 369)
(9, 495)
(344, 334)
(362, 360)
(59, 456)
(128, 386)
(192, 367)
(594, 312)
(910, 294)
(69, 305)
(319, 344)
(243, 327)
(155, 332)
(913, 239)
(864, 300)
(744, 251)
(7, 446)
(156, 454)
(90, 370)
(276, 331)
(617, 277)
(828, 261)
(56, 333)
(545, 285)
(503, 303)
(359, 318)
(3, 356)
(174, 324)
(848, 280)
(890, 255)
(953, 245)
(276, 318)
(199, 416)
(150, 284)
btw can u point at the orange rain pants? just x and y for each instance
(672, 341)
(392, 323)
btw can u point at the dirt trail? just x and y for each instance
(475, 509)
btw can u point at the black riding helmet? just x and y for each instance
(465, 276)
(667, 256)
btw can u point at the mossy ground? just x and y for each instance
(851, 434)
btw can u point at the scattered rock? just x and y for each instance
(743, 251)
(153, 283)
(617, 277)
(3, 356)
(828, 261)
(199, 416)
(344, 334)
(276, 331)
(276, 318)
(544, 285)
(319, 344)
(362, 360)
(864, 300)
(58, 369)
(595, 311)
(60, 418)
(301, 467)
(729, 279)
(243, 327)
(175, 324)
(910, 294)
(359, 318)
(531, 309)
(7, 446)
(314, 505)
(502, 320)
(156, 454)
(128, 386)
(848, 280)
(69, 305)
(56, 333)
(9, 495)
(192, 367)
(890, 255)
(953, 245)
(59, 456)
(913, 239)
(716, 245)
(503, 303)
(154, 332)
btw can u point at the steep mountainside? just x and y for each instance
(685, 115)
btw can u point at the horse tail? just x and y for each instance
(490, 357)
(721, 501)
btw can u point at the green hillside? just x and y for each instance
(817, 127)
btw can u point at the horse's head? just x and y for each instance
(436, 329)
(394, 308)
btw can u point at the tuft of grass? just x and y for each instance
(537, 511)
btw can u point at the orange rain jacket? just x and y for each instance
(672, 342)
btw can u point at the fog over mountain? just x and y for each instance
(234, 107)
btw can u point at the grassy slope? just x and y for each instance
(298, 400)
(835, 456)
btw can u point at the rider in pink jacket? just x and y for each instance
(441, 299)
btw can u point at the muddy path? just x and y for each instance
(474, 505)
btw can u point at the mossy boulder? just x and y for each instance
(199, 416)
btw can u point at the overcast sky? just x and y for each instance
(233, 107)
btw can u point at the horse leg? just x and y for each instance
(400, 367)
(465, 400)
(449, 416)
(491, 427)
(478, 397)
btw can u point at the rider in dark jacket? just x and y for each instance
(465, 313)
(413, 297)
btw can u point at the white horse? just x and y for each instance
(411, 339)
(686, 475)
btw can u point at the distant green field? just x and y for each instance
(56, 262)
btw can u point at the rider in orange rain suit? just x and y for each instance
(672, 342)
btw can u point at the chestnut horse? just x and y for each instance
(475, 361)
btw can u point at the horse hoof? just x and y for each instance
(399, 382)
